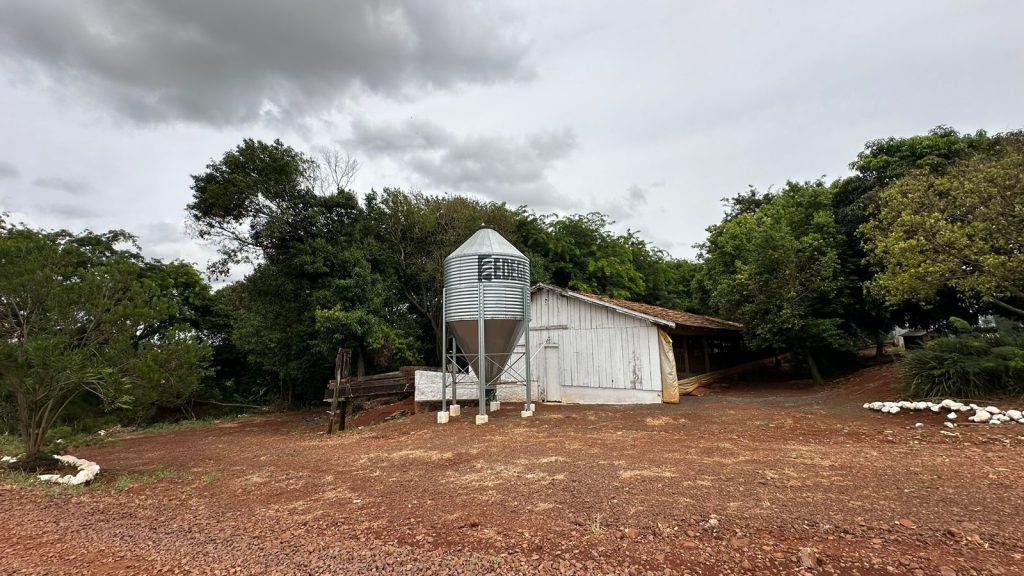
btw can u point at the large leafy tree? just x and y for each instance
(86, 313)
(960, 229)
(289, 217)
(777, 269)
(857, 202)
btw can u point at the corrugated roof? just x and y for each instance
(667, 315)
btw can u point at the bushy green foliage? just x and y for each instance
(87, 313)
(961, 229)
(777, 269)
(970, 363)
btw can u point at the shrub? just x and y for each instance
(969, 363)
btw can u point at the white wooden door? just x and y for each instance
(552, 374)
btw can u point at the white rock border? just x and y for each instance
(87, 471)
(990, 414)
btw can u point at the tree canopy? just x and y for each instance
(961, 228)
(778, 271)
(84, 313)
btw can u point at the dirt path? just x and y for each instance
(748, 480)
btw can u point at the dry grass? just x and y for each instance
(646, 473)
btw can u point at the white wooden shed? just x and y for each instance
(590, 349)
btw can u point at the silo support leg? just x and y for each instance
(528, 409)
(481, 374)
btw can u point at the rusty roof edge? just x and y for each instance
(724, 324)
(598, 301)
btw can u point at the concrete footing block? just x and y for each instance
(495, 406)
(442, 417)
(481, 419)
(455, 410)
(532, 407)
(526, 413)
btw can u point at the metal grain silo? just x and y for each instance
(487, 305)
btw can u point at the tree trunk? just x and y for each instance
(880, 349)
(360, 365)
(815, 373)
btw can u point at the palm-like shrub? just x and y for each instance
(969, 363)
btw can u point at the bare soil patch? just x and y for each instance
(746, 480)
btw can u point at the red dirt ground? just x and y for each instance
(777, 479)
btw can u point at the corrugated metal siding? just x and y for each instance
(598, 347)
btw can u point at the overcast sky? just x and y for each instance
(648, 111)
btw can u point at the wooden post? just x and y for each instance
(334, 407)
(341, 369)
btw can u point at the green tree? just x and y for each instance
(581, 252)
(412, 233)
(289, 217)
(778, 271)
(84, 313)
(961, 229)
(857, 202)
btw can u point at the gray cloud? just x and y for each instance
(73, 187)
(511, 169)
(632, 203)
(8, 171)
(236, 61)
(65, 210)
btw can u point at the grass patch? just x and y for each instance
(121, 482)
(161, 427)
(10, 445)
(130, 479)
(17, 478)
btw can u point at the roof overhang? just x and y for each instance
(620, 309)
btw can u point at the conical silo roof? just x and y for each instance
(486, 241)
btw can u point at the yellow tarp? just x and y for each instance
(669, 384)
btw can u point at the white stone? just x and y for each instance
(442, 417)
(526, 413)
(919, 425)
(1014, 414)
(992, 410)
(455, 410)
(951, 416)
(481, 419)
(981, 416)
(949, 425)
(87, 471)
(494, 406)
